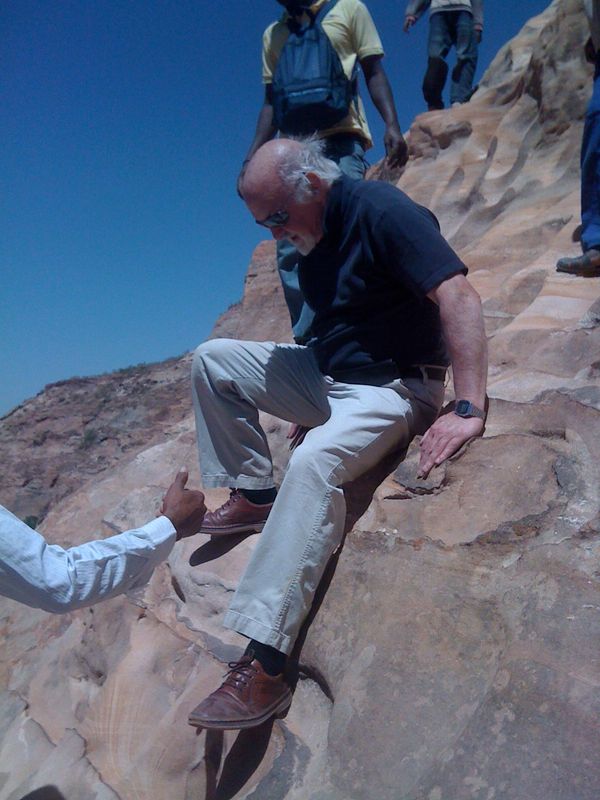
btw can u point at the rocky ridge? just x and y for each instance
(480, 681)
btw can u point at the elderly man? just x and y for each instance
(392, 308)
(57, 580)
(350, 28)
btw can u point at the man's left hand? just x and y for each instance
(396, 149)
(445, 437)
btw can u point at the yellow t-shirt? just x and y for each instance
(353, 34)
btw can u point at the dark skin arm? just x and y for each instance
(396, 149)
(265, 130)
(184, 507)
(380, 91)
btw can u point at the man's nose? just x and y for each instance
(278, 233)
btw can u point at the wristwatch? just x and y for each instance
(466, 409)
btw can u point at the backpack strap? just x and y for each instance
(313, 19)
(322, 13)
(324, 10)
(320, 16)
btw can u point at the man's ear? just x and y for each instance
(315, 182)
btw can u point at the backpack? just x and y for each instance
(310, 88)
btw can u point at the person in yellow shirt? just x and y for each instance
(354, 37)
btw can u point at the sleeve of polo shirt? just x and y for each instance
(365, 36)
(407, 240)
(269, 58)
(477, 9)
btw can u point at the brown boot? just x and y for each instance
(237, 515)
(247, 697)
(587, 265)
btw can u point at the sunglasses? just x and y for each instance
(275, 220)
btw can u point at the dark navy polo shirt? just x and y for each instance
(368, 277)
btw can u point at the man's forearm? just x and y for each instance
(477, 9)
(265, 130)
(416, 8)
(396, 149)
(380, 92)
(462, 322)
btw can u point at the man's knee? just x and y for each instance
(315, 459)
(211, 355)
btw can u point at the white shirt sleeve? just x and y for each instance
(47, 576)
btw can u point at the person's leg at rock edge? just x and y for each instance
(438, 45)
(234, 452)
(461, 85)
(588, 264)
(347, 151)
(306, 524)
(590, 169)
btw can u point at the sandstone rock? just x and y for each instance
(453, 651)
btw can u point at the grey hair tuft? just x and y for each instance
(308, 158)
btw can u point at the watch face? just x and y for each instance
(463, 408)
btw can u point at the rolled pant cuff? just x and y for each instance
(256, 630)
(240, 482)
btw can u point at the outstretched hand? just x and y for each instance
(445, 437)
(184, 507)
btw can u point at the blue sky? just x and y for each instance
(124, 125)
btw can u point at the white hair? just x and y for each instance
(307, 158)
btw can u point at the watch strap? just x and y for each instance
(466, 409)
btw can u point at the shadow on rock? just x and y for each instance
(240, 763)
(216, 547)
(44, 793)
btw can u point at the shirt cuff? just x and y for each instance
(159, 530)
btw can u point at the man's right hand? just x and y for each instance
(408, 23)
(444, 438)
(184, 507)
(396, 149)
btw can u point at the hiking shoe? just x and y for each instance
(247, 697)
(587, 265)
(237, 515)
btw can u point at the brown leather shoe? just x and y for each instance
(247, 697)
(587, 265)
(237, 515)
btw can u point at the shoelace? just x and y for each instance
(239, 672)
(234, 495)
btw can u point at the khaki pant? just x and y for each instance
(353, 427)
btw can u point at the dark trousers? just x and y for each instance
(448, 29)
(590, 169)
